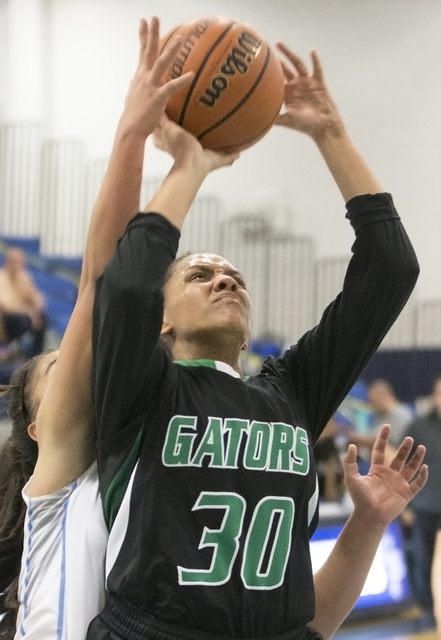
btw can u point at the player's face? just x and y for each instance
(204, 294)
(375, 398)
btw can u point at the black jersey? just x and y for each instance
(211, 478)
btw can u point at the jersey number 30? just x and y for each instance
(225, 542)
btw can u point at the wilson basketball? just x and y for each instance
(238, 88)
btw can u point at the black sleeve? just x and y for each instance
(127, 320)
(321, 368)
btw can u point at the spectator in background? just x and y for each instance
(21, 304)
(386, 409)
(329, 465)
(426, 507)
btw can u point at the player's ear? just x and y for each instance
(246, 342)
(167, 339)
(166, 329)
(32, 431)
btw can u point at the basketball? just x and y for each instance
(238, 88)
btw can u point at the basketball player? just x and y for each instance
(208, 480)
(62, 579)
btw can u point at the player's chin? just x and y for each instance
(235, 321)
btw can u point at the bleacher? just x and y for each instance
(57, 278)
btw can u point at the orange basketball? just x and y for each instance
(238, 88)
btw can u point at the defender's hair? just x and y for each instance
(18, 457)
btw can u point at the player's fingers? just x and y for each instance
(166, 56)
(350, 460)
(317, 69)
(177, 83)
(398, 462)
(351, 454)
(298, 63)
(151, 51)
(143, 33)
(420, 480)
(287, 72)
(165, 130)
(413, 465)
(377, 456)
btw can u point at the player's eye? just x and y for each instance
(199, 275)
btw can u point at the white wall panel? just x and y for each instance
(62, 197)
(428, 324)
(19, 178)
(201, 229)
(290, 290)
(148, 188)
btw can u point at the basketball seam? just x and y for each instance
(244, 99)
(250, 140)
(201, 68)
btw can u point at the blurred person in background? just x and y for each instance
(329, 464)
(386, 409)
(22, 305)
(426, 508)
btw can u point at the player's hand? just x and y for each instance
(387, 489)
(308, 106)
(185, 148)
(148, 94)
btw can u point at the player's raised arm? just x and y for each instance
(309, 108)
(383, 269)
(379, 498)
(192, 163)
(128, 311)
(64, 421)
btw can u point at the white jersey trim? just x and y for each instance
(61, 586)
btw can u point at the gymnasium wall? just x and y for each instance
(65, 66)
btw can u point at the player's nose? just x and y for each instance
(224, 282)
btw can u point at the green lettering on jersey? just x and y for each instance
(224, 541)
(281, 447)
(256, 452)
(300, 462)
(275, 446)
(236, 428)
(265, 551)
(211, 445)
(178, 442)
(255, 574)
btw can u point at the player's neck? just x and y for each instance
(224, 350)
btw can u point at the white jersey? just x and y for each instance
(62, 576)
